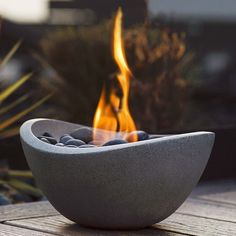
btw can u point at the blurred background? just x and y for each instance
(182, 54)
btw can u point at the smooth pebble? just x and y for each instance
(114, 142)
(64, 138)
(47, 134)
(60, 144)
(44, 140)
(85, 134)
(71, 146)
(87, 146)
(50, 139)
(141, 135)
(75, 142)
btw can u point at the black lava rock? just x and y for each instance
(71, 146)
(51, 140)
(60, 144)
(142, 135)
(87, 146)
(85, 134)
(114, 142)
(64, 138)
(46, 134)
(75, 142)
(44, 140)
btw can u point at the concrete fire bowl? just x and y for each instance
(125, 186)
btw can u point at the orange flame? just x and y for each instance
(113, 110)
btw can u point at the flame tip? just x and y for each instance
(113, 111)
(119, 9)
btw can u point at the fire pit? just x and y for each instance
(123, 186)
(99, 181)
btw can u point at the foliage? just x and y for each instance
(83, 60)
(17, 186)
(158, 59)
(160, 65)
(5, 109)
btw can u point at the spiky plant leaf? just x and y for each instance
(14, 104)
(19, 173)
(25, 188)
(19, 115)
(8, 91)
(3, 181)
(9, 132)
(10, 54)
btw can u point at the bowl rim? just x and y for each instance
(28, 137)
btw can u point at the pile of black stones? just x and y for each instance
(83, 138)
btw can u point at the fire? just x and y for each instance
(112, 112)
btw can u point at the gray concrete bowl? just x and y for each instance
(123, 186)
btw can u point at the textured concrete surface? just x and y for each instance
(124, 186)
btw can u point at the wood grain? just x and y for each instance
(219, 191)
(7, 230)
(176, 224)
(61, 226)
(209, 209)
(194, 225)
(26, 210)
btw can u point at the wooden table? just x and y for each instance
(210, 210)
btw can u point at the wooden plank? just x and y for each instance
(7, 230)
(219, 191)
(209, 209)
(175, 224)
(194, 225)
(61, 226)
(26, 210)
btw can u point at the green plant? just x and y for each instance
(15, 186)
(5, 124)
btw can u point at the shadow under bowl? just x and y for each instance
(125, 186)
